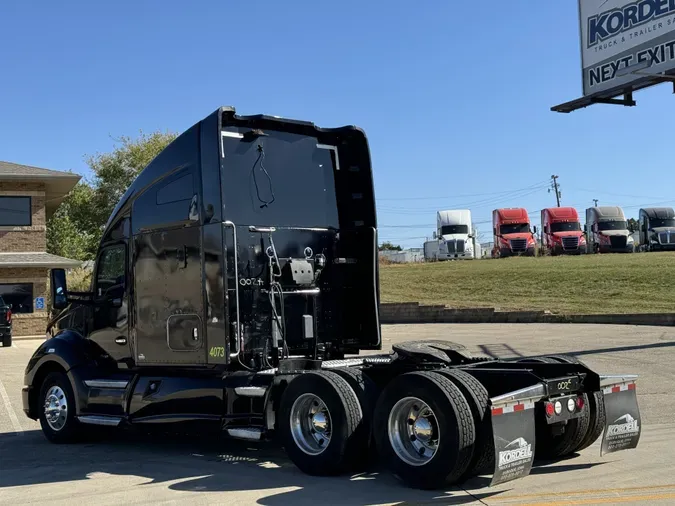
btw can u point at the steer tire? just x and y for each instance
(71, 431)
(7, 341)
(452, 420)
(345, 417)
(483, 460)
(367, 392)
(553, 446)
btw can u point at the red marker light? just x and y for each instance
(580, 403)
(549, 409)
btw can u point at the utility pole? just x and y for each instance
(555, 188)
(596, 202)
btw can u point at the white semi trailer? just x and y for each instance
(455, 237)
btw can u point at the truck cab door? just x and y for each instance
(109, 321)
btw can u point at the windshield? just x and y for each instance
(515, 228)
(655, 223)
(281, 179)
(454, 229)
(612, 225)
(566, 227)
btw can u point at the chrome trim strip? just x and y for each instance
(236, 287)
(250, 391)
(334, 150)
(109, 421)
(606, 381)
(106, 383)
(246, 433)
(533, 393)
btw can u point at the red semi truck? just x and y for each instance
(512, 233)
(561, 232)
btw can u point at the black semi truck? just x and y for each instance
(236, 284)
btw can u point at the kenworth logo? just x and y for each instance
(522, 451)
(613, 22)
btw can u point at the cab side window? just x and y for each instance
(110, 275)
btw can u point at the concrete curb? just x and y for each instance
(414, 312)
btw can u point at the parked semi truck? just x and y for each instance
(454, 238)
(607, 231)
(561, 231)
(657, 229)
(512, 233)
(216, 302)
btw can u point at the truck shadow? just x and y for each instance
(505, 351)
(197, 464)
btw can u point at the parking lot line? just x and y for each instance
(10, 410)
(606, 500)
(589, 491)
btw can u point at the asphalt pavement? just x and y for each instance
(131, 469)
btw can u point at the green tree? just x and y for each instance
(76, 227)
(385, 246)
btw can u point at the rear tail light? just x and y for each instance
(549, 409)
(9, 316)
(571, 405)
(580, 403)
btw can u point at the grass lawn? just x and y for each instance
(609, 283)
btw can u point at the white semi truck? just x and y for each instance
(454, 238)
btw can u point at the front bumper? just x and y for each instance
(451, 256)
(507, 252)
(26, 392)
(606, 248)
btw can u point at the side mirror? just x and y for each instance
(58, 288)
(534, 229)
(435, 236)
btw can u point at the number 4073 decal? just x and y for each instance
(217, 351)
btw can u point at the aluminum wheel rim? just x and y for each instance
(56, 408)
(311, 424)
(413, 431)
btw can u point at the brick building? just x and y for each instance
(28, 198)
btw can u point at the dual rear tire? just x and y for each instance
(421, 426)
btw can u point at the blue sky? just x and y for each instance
(454, 96)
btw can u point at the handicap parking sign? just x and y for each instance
(39, 303)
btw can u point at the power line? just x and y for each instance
(465, 194)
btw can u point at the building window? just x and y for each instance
(18, 295)
(15, 211)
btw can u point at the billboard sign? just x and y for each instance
(622, 41)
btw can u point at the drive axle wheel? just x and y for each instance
(424, 430)
(7, 341)
(319, 415)
(56, 407)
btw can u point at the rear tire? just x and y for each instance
(319, 415)
(424, 430)
(474, 392)
(552, 446)
(7, 341)
(56, 409)
(596, 407)
(367, 392)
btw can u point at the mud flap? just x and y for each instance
(514, 433)
(623, 425)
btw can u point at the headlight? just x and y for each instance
(582, 240)
(630, 239)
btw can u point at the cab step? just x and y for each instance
(250, 391)
(246, 433)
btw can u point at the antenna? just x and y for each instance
(596, 202)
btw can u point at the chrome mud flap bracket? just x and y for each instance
(513, 428)
(622, 425)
